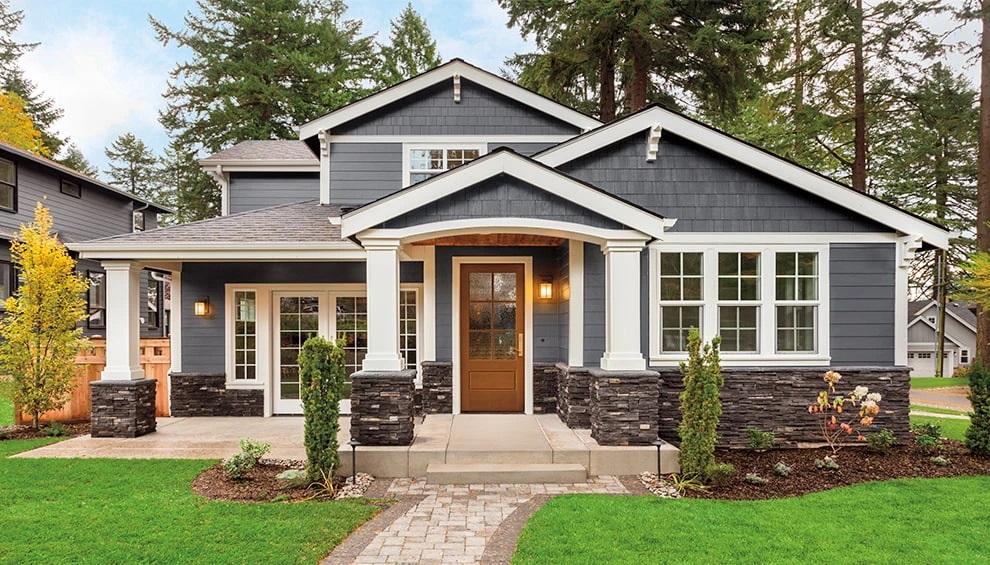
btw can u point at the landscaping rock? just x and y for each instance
(293, 478)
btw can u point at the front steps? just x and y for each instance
(516, 473)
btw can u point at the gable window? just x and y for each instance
(70, 188)
(8, 185)
(424, 161)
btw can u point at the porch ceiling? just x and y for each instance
(495, 240)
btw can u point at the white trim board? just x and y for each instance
(485, 139)
(483, 226)
(749, 156)
(447, 71)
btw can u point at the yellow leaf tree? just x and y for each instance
(16, 126)
(39, 331)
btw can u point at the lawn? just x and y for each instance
(6, 412)
(143, 511)
(952, 428)
(867, 523)
(932, 382)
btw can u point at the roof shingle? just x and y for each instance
(266, 150)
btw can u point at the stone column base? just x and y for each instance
(573, 396)
(438, 391)
(382, 407)
(624, 407)
(123, 408)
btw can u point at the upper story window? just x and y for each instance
(71, 188)
(138, 220)
(8, 185)
(424, 161)
(7, 279)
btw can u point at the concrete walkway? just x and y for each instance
(952, 398)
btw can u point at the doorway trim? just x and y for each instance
(455, 298)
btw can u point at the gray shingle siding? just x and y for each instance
(706, 192)
(363, 172)
(502, 197)
(433, 111)
(251, 191)
(862, 303)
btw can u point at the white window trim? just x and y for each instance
(442, 144)
(766, 322)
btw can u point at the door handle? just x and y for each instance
(520, 342)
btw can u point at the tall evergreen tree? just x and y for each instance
(75, 160)
(186, 188)
(411, 49)
(133, 167)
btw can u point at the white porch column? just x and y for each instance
(622, 308)
(383, 306)
(123, 279)
(175, 337)
(575, 311)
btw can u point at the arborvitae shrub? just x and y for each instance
(978, 434)
(700, 407)
(321, 375)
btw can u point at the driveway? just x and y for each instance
(953, 398)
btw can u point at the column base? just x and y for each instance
(625, 407)
(383, 363)
(122, 374)
(123, 408)
(623, 362)
(382, 407)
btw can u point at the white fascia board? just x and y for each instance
(215, 251)
(751, 157)
(777, 238)
(449, 139)
(513, 165)
(443, 72)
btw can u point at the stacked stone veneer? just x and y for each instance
(545, 379)
(382, 408)
(206, 394)
(438, 391)
(574, 396)
(624, 407)
(123, 408)
(777, 400)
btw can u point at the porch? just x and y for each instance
(477, 444)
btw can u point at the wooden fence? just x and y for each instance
(155, 360)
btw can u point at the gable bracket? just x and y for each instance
(653, 143)
(907, 246)
(457, 89)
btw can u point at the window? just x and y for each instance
(138, 220)
(681, 298)
(796, 301)
(924, 356)
(964, 356)
(739, 301)
(931, 320)
(910, 355)
(97, 299)
(407, 327)
(245, 335)
(8, 185)
(6, 281)
(352, 327)
(426, 161)
(71, 188)
(154, 302)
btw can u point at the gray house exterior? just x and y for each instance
(960, 337)
(481, 248)
(82, 208)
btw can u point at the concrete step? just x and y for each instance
(479, 473)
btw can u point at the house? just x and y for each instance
(481, 248)
(82, 208)
(960, 337)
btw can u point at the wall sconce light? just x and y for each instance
(546, 288)
(202, 306)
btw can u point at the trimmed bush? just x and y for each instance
(978, 434)
(321, 375)
(700, 407)
(759, 439)
(881, 441)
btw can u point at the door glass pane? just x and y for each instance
(480, 345)
(298, 321)
(505, 345)
(505, 316)
(352, 327)
(481, 286)
(480, 316)
(505, 286)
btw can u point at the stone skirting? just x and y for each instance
(382, 407)
(777, 400)
(624, 407)
(206, 394)
(438, 391)
(123, 408)
(574, 396)
(545, 378)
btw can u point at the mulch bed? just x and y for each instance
(28, 432)
(258, 485)
(857, 464)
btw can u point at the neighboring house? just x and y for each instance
(82, 208)
(482, 248)
(960, 337)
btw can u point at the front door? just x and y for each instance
(492, 340)
(297, 318)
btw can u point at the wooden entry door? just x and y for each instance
(492, 321)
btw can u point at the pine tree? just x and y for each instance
(75, 160)
(133, 167)
(411, 50)
(186, 188)
(17, 127)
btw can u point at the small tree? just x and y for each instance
(40, 333)
(321, 374)
(700, 407)
(978, 434)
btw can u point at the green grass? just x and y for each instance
(144, 511)
(952, 428)
(6, 412)
(932, 382)
(937, 410)
(902, 521)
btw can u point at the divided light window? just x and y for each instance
(739, 301)
(70, 188)
(797, 302)
(681, 298)
(245, 335)
(425, 163)
(8, 185)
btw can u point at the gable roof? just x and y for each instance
(270, 150)
(750, 156)
(958, 310)
(503, 161)
(24, 154)
(447, 71)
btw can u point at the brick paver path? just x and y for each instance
(454, 523)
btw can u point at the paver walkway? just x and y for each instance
(457, 523)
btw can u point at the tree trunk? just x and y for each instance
(859, 104)
(606, 78)
(641, 75)
(799, 144)
(983, 180)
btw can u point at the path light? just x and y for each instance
(354, 443)
(658, 442)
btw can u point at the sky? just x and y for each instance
(100, 61)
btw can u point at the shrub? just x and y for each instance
(720, 473)
(978, 434)
(941, 461)
(782, 470)
(827, 464)
(759, 439)
(830, 408)
(754, 479)
(963, 372)
(928, 443)
(55, 429)
(682, 483)
(928, 435)
(700, 407)
(237, 465)
(321, 373)
(881, 441)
